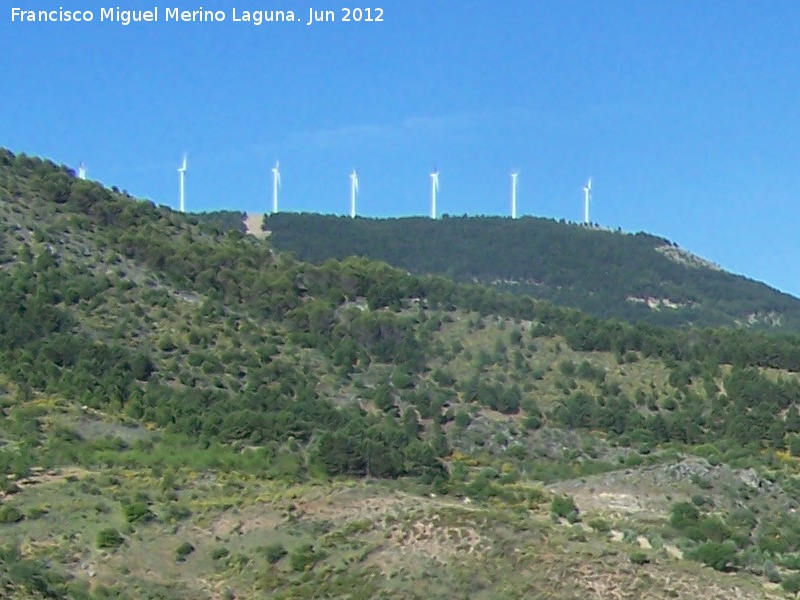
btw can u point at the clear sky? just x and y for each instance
(685, 114)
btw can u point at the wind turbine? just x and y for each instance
(276, 184)
(353, 193)
(182, 174)
(587, 196)
(514, 175)
(434, 191)
(81, 171)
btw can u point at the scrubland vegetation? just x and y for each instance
(187, 412)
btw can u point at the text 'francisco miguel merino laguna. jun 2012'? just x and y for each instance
(200, 15)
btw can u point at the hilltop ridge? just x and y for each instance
(632, 276)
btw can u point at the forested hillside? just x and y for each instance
(188, 412)
(604, 273)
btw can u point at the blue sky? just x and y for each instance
(684, 113)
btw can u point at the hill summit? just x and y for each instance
(635, 277)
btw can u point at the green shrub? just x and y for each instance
(218, 553)
(684, 515)
(634, 459)
(790, 561)
(669, 403)
(565, 507)
(10, 514)
(639, 558)
(184, 550)
(168, 480)
(600, 524)
(177, 512)
(274, 552)
(721, 557)
(776, 539)
(791, 583)
(109, 538)
(136, 512)
(701, 482)
(567, 367)
(631, 357)
(401, 379)
(195, 359)
(794, 445)
(462, 419)
(713, 529)
(7, 486)
(772, 573)
(532, 422)
(303, 557)
(700, 501)
(37, 512)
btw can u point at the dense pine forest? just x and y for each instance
(604, 273)
(191, 412)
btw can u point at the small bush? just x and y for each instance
(790, 561)
(684, 515)
(303, 557)
(700, 501)
(274, 552)
(402, 380)
(532, 422)
(599, 524)
(109, 538)
(631, 357)
(136, 512)
(701, 482)
(218, 553)
(639, 558)
(37, 512)
(565, 507)
(772, 572)
(462, 419)
(184, 550)
(567, 367)
(721, 557)
(791, 583)
(10, 514)
(577, 534)
(176, 512)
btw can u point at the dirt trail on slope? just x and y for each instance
(253, 223)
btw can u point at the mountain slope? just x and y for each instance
(607, 274)
(188, 413)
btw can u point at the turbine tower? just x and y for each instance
(514, 176)
(434, 191)
(587, 196)
(353, 193)
(276, 184)
(81, 171)
(182, 174)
